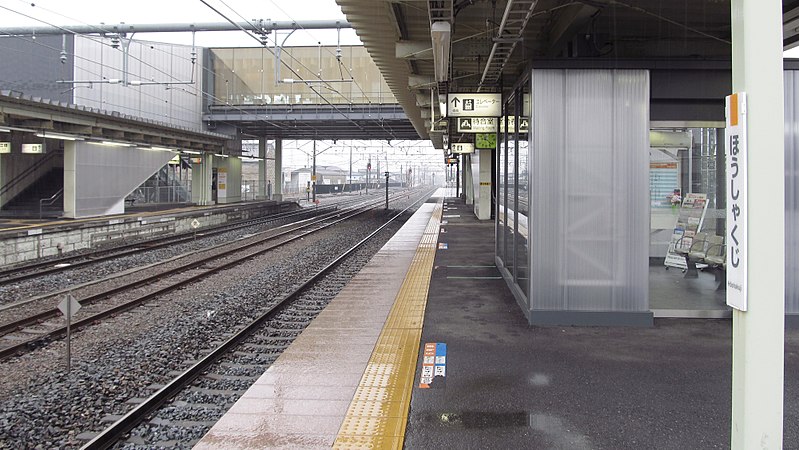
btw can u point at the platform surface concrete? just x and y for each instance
(508, 385)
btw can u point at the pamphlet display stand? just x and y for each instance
(689, 222)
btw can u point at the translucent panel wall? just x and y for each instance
(589, 191)
(148, 62)
(791, 191)
(247, 76)
(502, 198)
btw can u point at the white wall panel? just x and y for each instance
(97, 178)
(177, 104)
(589, 190)
(792, 191)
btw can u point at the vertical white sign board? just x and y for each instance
(736, 201)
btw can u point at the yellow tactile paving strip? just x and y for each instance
(302, 400)
(378, 413)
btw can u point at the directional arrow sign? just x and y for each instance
(469, 104)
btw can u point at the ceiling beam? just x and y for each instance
(420, 81)
(413, 50)
(571, 20)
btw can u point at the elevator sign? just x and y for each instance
(735, 240)
(470, 104)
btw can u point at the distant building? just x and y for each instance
(324, 175)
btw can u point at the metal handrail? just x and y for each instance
(52, 199)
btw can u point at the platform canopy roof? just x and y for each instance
(491, 42)
(30, 115)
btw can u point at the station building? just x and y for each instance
(623, 106)
(606, 111)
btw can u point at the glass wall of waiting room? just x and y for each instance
(513, 199)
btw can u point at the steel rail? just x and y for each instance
(132, 248)
(117, 430)
(28, 271)
(37, 341)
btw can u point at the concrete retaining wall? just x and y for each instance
(19, 246)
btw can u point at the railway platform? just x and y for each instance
(426, 348)
(29, 239)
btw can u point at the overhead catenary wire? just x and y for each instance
(36, 42)
(295, 73)
(142, 92)
(349, 69)
(255, 28)
(101, 42)
(199, 90)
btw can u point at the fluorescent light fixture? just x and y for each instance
(63, 137)
(250, 159)
(288, 80)
(191, 152)
(161, 149)
(441, 33)
(221, 155)
(7, 129)
(442, 108)
(113, 144)
(114, 81)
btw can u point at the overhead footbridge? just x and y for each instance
(87, 158)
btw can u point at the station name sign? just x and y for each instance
(736, 179)
(470, 104)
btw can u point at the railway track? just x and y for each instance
(41, 322)
(36, 269)
(245, 354)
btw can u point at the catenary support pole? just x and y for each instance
(313, 174)
(758, 334)
(277, 194)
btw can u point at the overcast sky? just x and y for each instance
(93, 12)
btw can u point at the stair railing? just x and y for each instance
(50, 200)
(27, 172)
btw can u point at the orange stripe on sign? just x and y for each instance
(734, 110)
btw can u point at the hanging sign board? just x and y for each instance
(524, 124)
(736, 201)
(485, 141)
(34, 149)
(474, 105)
(477, 125)
(462, 147)
(5, 147)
